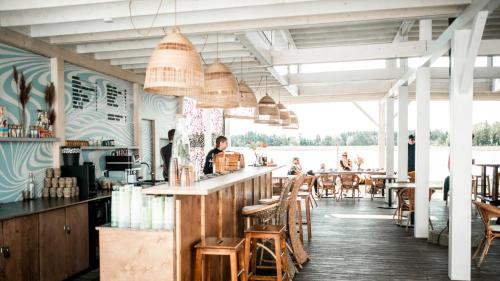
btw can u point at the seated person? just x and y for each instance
(345, 162)
(296, 168)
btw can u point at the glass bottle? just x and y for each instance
(31, 186)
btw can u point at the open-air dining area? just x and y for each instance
(315, 140)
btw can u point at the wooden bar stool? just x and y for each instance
(274, 233)
(303, 197)
(213, 246)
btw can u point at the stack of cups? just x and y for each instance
(124, 209)
(146, 212)
(135, 208)
(168, 215)
(115, 207)
(157, 213)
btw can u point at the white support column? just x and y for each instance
(422, 155)
(57, 76)
(381, 134)
(389, 149)
(403, 133)
(459, 249)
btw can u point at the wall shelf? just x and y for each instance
(29, 139)
(108, 147)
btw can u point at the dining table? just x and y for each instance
(493, 199)
(394, 186)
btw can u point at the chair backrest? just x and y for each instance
(308, 180)
(487, 212)
(349, 180)
(283, 202)
(327, 179)
(411, 175)
(407, 194)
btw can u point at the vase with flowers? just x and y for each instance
(359, 161)
(256, 147)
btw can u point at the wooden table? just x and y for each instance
(494, 189)
(400, 185)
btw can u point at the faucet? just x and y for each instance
(151, 173)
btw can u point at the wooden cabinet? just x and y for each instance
(77, 219)
(52, 235)
(64, 242)
(19, 242)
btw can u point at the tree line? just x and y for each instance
(486, 134)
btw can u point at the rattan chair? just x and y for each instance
(491, 231)
(349, 182)
(411, 176)
(406, 203)
(306, 189)
(327, 182)
(376, 186)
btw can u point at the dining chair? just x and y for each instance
(327, 182)
(406, 203)
(307, 189)
(491, 231)
(411, 176)
(376, 186)
(349, 182)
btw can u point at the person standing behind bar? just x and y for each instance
(166, 153)
(220, 145)
(411, 153)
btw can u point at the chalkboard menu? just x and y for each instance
(116, 102)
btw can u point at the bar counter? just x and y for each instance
(208, 208)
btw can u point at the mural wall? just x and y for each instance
(17, 159)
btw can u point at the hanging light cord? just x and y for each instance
(202, 48)
(152, 23)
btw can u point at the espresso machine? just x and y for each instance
(124, 168)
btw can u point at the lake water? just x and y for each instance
(312, 156)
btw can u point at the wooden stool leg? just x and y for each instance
(285, 256)
(208, 268)
(254, 257)
(234, 266)
(247, 254)
(241, 262)
(277, 251)
(308, 220)
(198, 265)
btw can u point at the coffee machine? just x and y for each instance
(85, 175)
(123, 167)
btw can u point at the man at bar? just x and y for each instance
(220, 145)
(411, 153)
(166, 153)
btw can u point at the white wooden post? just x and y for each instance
(137, 97)
(422, 155)
(403, 133)
(57, 77)
(389, 149)
(381, 134)
(459, 250)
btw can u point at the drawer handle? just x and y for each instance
(67, 228)
(5, 251)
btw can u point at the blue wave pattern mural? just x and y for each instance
(162, 110)
(17, 159)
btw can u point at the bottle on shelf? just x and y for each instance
(31, 186)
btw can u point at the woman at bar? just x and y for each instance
(220, 145)
(345, 162)
(296, 168)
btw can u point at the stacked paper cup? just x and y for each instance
(136, 205)
(124, 209)
(146, 212)
(157, 212)
(115, 207)
(168, 215)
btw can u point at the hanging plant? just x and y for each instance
(50, 96)
(23, 91)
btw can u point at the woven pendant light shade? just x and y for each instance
(284, 115)
(294, 121)
(175, 68)
(247, 97)
(221, 88)
(267, 112)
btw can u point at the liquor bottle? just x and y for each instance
(31, 186)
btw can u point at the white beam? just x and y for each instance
(404, 29)
(237, 17)
(360, 87)
(473, 47)
(442, 44)
(423, 88)
(403, 133)
(208, 58)
(16, 5)
(209, 41)
(389, 136)
(365, 113)
(259, 46)
(349, 53)
(459, 249)
(239, 52)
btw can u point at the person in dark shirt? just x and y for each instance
(220, 145)
(345, 162)
(166, 153)
(411, 153)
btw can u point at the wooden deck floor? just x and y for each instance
(348, 244)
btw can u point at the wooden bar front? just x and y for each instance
(204, 210)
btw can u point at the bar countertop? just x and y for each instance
(205, 187)
(40, 205)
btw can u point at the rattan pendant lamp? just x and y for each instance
(267, 112)
(284, 119)
(221, 87)
(175, 67)
(247, 96)
(294, 121)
